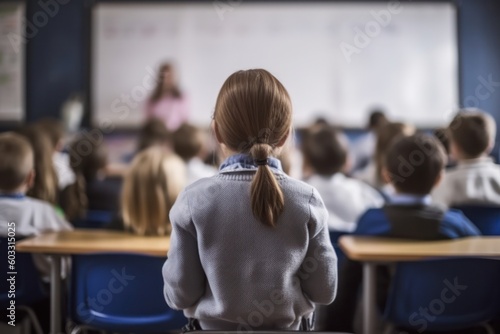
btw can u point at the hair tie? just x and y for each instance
(261, 162)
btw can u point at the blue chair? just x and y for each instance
(445, 294)
(29, 288)
(95, 219)
(486, 218)
(334, 238)
(121, 293)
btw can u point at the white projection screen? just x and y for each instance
(339, 60)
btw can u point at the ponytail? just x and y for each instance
(266, 195)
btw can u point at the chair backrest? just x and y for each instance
(95, 219)
(28, 285)
(486, 218)
(121, 293)
(445, 294)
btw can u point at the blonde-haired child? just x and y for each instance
(250, 247)
(151, 187)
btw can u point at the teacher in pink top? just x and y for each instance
(167, 103)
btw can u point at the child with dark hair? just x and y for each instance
(94, 188)
(476, 178)
(414, 166)
(190, 144)
(325, 153)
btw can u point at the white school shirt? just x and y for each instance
(32, 217)
(346, 199)
(473, 181)
(65, 175)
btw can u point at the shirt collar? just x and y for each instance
(239, 162)
(13, 195)
(409, 199)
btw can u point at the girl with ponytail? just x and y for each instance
(249, 247)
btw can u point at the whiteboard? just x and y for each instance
(11, 62)
(409, 67)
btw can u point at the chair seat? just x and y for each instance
(486, 218)
(446, 294)
(95, 219)
(121, 293)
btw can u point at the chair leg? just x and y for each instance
(76, 330)
(488, 328)
(389, 328)
(33, 318)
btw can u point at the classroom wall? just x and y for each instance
(57, 57)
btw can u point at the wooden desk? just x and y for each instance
(61, 244)
(373, 250)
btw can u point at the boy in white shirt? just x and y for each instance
(30, 216)
(476, 178)
(325, 153)
(190, 144)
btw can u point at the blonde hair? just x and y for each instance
(16, 163)
(253, 115)
(151, 187)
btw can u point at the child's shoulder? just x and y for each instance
(37, 204)
(458, 225)
(373, 214)
(41, 209)
(372, 222)
(298, 188)
(201, 184)
(454, 216)
(485, 164)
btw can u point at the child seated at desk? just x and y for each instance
(96, 188)
(150, 189)
(242, 238)
(29, 216)
(325, 154)
(476, 178)
(414, 166)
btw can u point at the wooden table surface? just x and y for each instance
(94, 241)
(386, 249)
